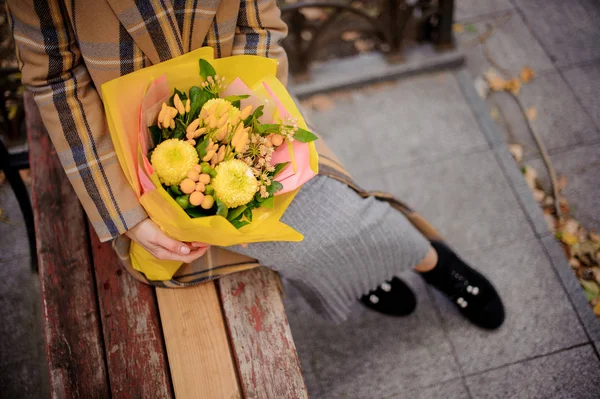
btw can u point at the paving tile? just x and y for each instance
(15, 274)
(581, 166)
(585, 82)
(449, 390)
(567, 374)
(561, 121)
(372, 356)
(539, 316)
(569, 30)
(512, 46)
(467, 198)
(412, 121)
(13, 235)
(469, 9)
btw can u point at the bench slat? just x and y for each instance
(71, 326)
(136, 358)
(260, 335)
(197, 346)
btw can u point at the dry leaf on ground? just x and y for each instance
(321, 102)
(514, 86)
(458, 28)
(539, 195)
(561, 182)
(482, 87)
(531, 113)
(517, 151)
(527, 74)
(530, 175)
(364, 44)
(350, 35)
(313, 14)
(496, 82)
(495, 114)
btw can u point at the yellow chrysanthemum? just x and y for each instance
(219, 107)
(234, 184)
(172, 160)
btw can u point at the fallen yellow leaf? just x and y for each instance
(538, 195)
(364, 44)
(531, 113)
(517, 151)
(527, 74)
(514, 86)
(569, 239)
(350, 35)
(495, 114)
(497, 83)
(597, 309)
(458, 28)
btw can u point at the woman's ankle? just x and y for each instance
(429, 262)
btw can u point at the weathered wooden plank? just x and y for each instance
(135, 353)
(200, 359)
(260, 335)
(71, 324)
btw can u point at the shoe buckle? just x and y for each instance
(462, 303)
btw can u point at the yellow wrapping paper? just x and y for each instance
(122, 100)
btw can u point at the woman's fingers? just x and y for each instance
(171, 245)
(164, 254)
(196, 244)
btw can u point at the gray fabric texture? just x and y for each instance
(351, 245)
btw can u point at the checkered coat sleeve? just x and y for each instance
(68, 48)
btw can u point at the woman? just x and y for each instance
(67, 49)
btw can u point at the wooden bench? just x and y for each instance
(109, 335)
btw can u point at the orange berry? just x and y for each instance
(196, 198)
(192, 174)
(207, 202)
(204, 178)
(187, 186)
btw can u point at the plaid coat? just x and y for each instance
(68, 48)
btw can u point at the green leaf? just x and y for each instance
(237, 104)
(166, 133)
(258, 112)
(304, 136)
(471, 28)
(236, 98)
(238, 224)
(270, 127)
(236, 212)
(248, 214)
(274, 187)
(280, 167)
(222, 209)
(206, 69)
(175, 190)
(179, 132)
(195, 212)
(198, 97)
(156, 134)
(201, 148)
(268, 203)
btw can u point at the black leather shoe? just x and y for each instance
(473, 294)
(393, 298)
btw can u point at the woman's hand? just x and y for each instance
(151, 237)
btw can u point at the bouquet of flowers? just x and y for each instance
(215, 157)
(215, 149)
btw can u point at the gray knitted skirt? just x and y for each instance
(351, 245)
